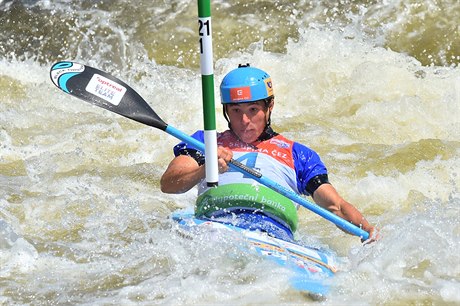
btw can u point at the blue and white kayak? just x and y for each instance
(311, 267)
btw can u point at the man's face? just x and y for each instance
(248, 120)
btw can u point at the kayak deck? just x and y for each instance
(311, 266)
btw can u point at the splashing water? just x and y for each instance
(374, 87)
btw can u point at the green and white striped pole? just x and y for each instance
(207, 81)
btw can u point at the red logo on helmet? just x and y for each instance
(240, 93)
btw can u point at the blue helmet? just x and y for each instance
(245, 84)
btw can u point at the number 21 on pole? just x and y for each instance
(203, 31)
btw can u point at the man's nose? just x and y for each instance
(245, 118)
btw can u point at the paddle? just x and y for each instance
(103, 90)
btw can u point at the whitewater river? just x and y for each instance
(372, 86)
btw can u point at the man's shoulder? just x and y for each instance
(280, 141)
(199, 134)
(296, 146)
(283, 138)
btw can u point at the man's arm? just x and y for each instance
(181, 175)
(184, 172)
(327, 197)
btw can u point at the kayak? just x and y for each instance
(311, 268)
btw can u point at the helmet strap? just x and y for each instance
(269, 121)
(268, 102)
(224, 110)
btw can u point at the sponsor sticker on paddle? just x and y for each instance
(106, 89)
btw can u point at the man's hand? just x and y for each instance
(224, 157)
(374, 235)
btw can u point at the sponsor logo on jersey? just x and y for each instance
(280, 143)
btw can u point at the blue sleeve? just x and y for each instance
(198, 135)
(307, 164)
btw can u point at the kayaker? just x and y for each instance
(248, 101)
